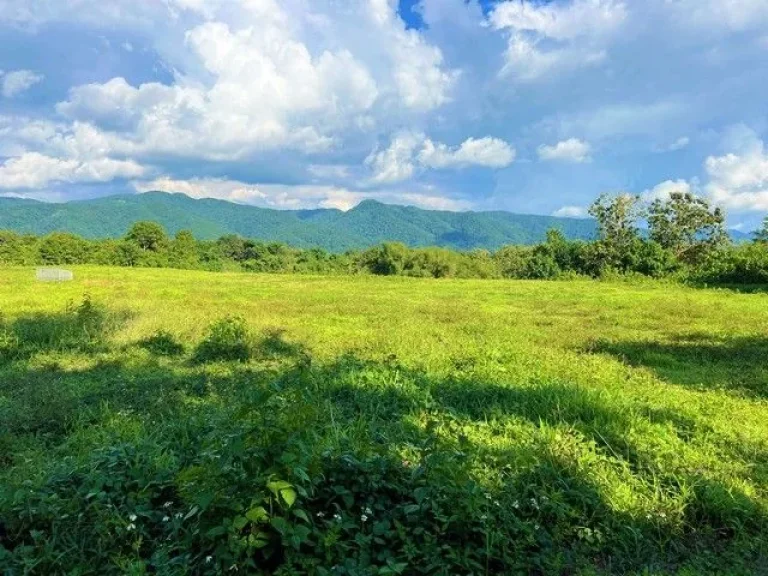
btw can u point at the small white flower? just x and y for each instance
(132, 517)
(367, 511)
(167, 504)
(177, 515)
(131, 526)
(320, 514)
(208, 559)
(364, 518)
(515, 504)
(337, 517)
(484, 517)
(166, 518)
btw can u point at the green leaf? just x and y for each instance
(280, 524)
(301, 514)
(257, 514)
(239, 522)
(289, 495)
(278, 486)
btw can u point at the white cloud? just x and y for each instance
(33, 170)
(555, 37)
(678, 144)
(18, 81)
(420, 78)
(739, 181)
(410, 150)
(571, 212)
(294, 197)
(571, 150)
(487, 152)
(663, 190)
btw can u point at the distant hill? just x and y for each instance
(369, 223)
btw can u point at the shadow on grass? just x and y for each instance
(161, 437)
(700, 361)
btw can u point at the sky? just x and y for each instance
(526, 106)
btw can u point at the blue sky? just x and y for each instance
(525, 106)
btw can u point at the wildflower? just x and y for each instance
(132, 517)
(364, 518)
(208, 559)
(167, 504)
(166, 518)
(177, 515)
(368, 511)
(484, 517)
(320, 514)
(515, 504)
(131, 527)
(337, 517)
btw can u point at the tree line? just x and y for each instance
(680, 236)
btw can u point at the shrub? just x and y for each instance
(227, 339)
(162, 343)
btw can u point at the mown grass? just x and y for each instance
(380, 426)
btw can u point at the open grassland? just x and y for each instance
(380, 426)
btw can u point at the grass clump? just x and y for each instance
(162, 343)
(227, 340)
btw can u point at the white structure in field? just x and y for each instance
(54, 275)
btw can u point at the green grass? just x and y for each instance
(454, 427)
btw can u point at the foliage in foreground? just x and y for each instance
(125, 460)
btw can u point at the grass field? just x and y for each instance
(381, 426)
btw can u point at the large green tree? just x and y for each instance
(687, 225)
(149, 236)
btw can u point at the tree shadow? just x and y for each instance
(738, 364)
(162, 436)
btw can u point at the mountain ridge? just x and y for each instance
(370, 222)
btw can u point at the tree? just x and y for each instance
(184, 250)
(63, 248)
(149, 236)
(761, 235)
(617, 218)
(687, 225)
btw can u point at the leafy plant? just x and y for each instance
(227, 339)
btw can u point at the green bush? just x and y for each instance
(227, 339)
(162, 343)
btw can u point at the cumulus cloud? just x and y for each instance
(571, 150)
(18, 81)
(739, 181)
(487, 152)
(33, 170)
(409, 151)
(545, 38)
(571, 212)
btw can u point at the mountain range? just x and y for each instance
(367, 224)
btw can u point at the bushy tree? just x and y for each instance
(183, 253)
(761, 235)
(687, 225)
(385, 260)
(148, 236)
(617, 218)
(63, 248)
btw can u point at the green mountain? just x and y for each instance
(367, 224)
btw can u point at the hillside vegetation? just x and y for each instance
(367, 224)
(176, 422)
